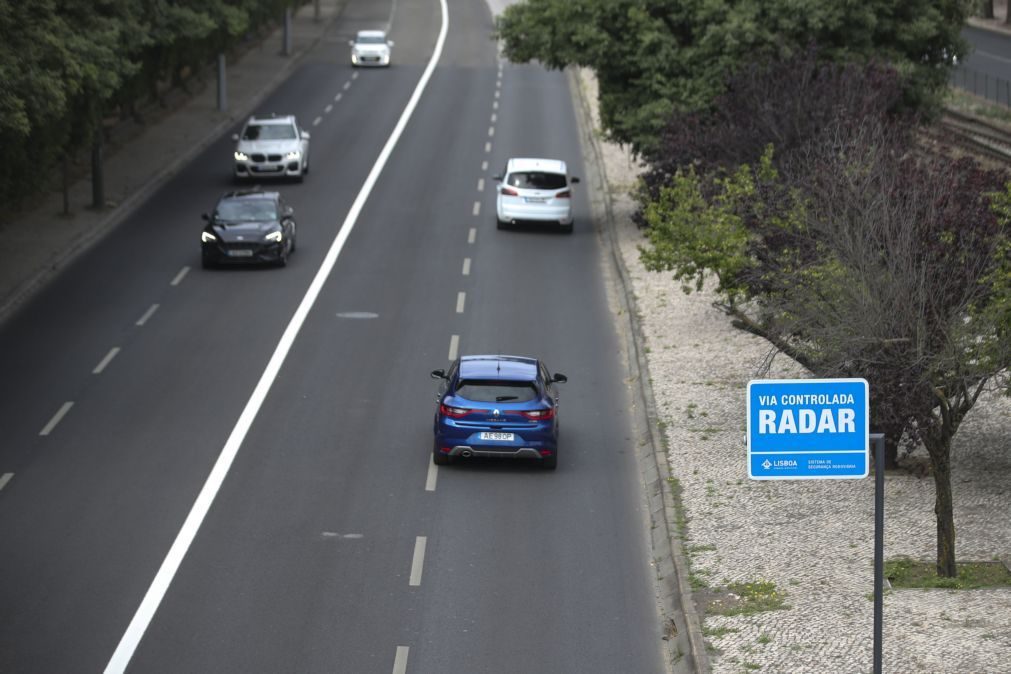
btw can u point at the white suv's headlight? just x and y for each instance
(274, 236)
(207, 236)
(241, 156)
(294, 154)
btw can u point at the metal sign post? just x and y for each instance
(879, 544)
(819, 429)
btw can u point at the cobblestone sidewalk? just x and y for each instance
(812, 540)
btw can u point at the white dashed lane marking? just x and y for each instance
(491, 130)
(328, 108)
(105, 361)
(316, 121)
(180, 276)
(454, 346)
(433, 476)
(484, 165)
(6, 477)
(466, 266)
(147, 315)
(480, 184)
(472, 235)
(60, 413)
(418, 562)
(337, 97)
(487, 147)
(497, 94)
(400, 661)
(354, 75)
(461, 299)
(347, 85)
(494, 118)
(494, 105)
(477, 208)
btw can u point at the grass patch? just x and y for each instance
(750, 665)
(965, 102)
(718, 631)
(751, 598)
(764, 639)
(904, 572)
(708, 547)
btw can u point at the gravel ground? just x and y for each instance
(812, 539)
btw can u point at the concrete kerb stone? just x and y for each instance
(124, 209)
(686, 650)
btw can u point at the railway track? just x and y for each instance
(973, 135)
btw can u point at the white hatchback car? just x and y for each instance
(535, 191)
(370, 48)
(272, 146)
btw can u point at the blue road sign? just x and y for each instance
(808, 429)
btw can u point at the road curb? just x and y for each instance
(86, 239)
(685, 644)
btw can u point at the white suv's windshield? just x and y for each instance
(269, 132)
(536, 180)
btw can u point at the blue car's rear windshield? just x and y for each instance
(496, 390)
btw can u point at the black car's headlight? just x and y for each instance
(275, 237)
(207, 237)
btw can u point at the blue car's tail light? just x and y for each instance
(539, 415)
(453, 412)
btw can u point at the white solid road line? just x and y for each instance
(454, 346)
(120, 659)
(180, 276)
(418, 563)
(316, 121)
(477, 208)
(147, 315)
(60, 413)
(433, 475)
(105, 361)
(480, 184)
(466, 266)
(6, 477)
(461, 298)
(400, 661)
(472, 235)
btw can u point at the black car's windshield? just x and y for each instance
(371, 39)
(246, 210)
(537, 180)
(496, 391)
(269, 132)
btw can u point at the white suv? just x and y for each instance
(370, 48)
(535, 191)
(272, 146)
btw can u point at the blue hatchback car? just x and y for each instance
(497, 406)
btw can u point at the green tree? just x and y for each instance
(654, 56)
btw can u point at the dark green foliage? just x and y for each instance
(655, 56)
(852, 249)
(65, 64)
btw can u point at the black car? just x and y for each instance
(249, 227)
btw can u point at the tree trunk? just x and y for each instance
(986, 9)
(66, 184)
(97, 182)
(940, 459)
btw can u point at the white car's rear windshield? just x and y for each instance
(496, 390)
(269, 132)
(537, 180)
(371, 39)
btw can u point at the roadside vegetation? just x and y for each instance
(784, 168)
(906, 572)
(67, 66)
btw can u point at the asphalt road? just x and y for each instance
(332, 545)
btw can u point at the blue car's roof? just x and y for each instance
(498, 367)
